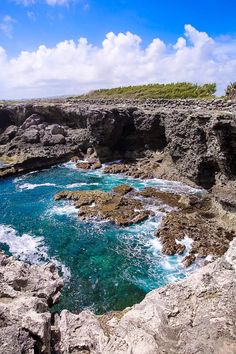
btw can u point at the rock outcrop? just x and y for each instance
(111, 206)
(26, 293)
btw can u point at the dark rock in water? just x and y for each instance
(83, 165)
(208, 237)
(123, 211)
(122, 189)
(189, 260)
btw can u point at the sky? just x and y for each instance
(64, 47)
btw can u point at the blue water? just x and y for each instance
(105, 267)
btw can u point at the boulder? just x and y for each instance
(11, 131)
(56, 129)
(34, 119)
(31, 136)
(50, 140)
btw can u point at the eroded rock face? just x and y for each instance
(26, 293)
(197, 143)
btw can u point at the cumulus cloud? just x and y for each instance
(75, 67)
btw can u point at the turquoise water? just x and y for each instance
(105, 267)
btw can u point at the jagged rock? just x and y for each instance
(208, 237)
(80, 333)
(56, 129)
(196, 143)
(122, 189)
(31, 136)
(84, 165)
(11, 131)
(50, 140)
(26, 292)
(34, 119)
(123, 211)
(171, 199)
(196, 315)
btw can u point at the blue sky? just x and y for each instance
(41, 23)
(27, 24)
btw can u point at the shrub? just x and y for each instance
(230, 91)
(181, 90)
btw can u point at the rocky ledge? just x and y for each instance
(196, 315)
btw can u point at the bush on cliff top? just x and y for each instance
(230, 91)
(168, 91)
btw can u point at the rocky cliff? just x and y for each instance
(199, 143)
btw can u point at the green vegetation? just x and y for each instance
(10, 102)
(180, 90)
(230, 91)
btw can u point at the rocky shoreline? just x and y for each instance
(196, 315)
(190, 142)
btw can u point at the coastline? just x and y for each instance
(187, 145)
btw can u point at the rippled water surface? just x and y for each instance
(105, 267)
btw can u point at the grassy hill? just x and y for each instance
(180, 90)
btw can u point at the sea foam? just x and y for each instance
(30, 249)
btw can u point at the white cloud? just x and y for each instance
(74, 67)
(57, 2)
(31, 16)
(25, 2)
(49, 2)
(6, 25)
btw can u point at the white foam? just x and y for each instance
(77, 185)
(65, 270)
(65, 209)
(156, 245)
(29, 248)
(26, 247)
(187, 242)
(29, 186)
(70, 165)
